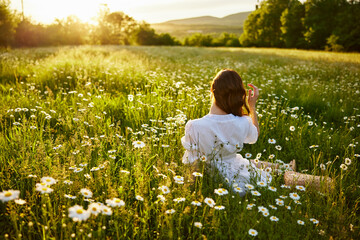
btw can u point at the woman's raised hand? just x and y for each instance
(253, 95)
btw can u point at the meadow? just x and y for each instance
(90, 144)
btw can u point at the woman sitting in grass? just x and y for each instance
(232, 121)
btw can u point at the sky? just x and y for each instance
(151, 11)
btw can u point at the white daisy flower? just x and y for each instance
(248, 155)
(300, 222)
(9, 195)
(170, 211)
(70, 196)
(196, 203)
(271, 141)
(219, 207)
(94, 208)
(301, 188)
(221, 191)
(261, 184)
(138, 144)
(271, 188)
(115, 202)
(294, 196)
(44, 189)
(48, 180)
(249, 186)
(197, 174)
(238, 189)
(255, 193)
(139, 198)
(86, 192)
(292, 128)
(314, 221)
(210, 202)
(198, 224)
(164, 189)
(106, 210)
(253, 232)
(347, 161)
(20, 201)
(177, 200)
(78, 213)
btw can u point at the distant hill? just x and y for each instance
(181, 28)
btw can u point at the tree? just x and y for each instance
(7, 25)
(292, 27)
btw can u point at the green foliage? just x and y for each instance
(7, 24)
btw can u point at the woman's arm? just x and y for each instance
(252, 98)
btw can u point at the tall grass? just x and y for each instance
(74, 113)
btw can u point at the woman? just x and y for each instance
(217, 137)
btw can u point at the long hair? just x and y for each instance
(229, 92)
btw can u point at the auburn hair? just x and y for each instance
(229, 92)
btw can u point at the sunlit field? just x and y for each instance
(90, 144)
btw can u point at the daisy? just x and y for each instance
(253, 232)
(248, 155)
(250, 206)
(68, 182)
(86, 192)
(9, 195)
(279, 202)
(203, 158)
(261, 184)
(283, 196)
(164, 189)
(170, 211)
(347, 161)
(271, 188)
(272, 207)
(139, 198)
(177, 200)
(76, 170)
(115, 202)
(255, 193)
(106, 210)
(94, 208)
(48, 180)
(161, 198)
(78, 213)
(138, 144)
(249, 186)
(20, 201)
(210, 202)
(198, 224)
(297, 202)
(310, 123)
(265, 214)
(219, 207)
(278, 147)
(196, 203)
(196, 174)
(238, 189)
(301, 188)
(93, 169)
(294, 196)
(322, 166)
(221, 191)
(343, 167)
(44, 189)
(300, 222)
(288, 207)
(271, 141)
(262, 209)
(179, 179)
(314, 221)
(70, 196)
(292, 128)
(274, 219)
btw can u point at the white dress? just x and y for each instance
(217, 139)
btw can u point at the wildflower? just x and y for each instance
(322, 166)
(124, 171)
(292, 128)
(48, 180)
(343, 167)
(271, 156)
(261, 184)
(94, 169)
(310, 123)
(278, 147)
(300, 222)
(94, 208)
(20, 201)
(203, 158)
(198, 224)
(314, 221)
(221, 191)
(347, 161)
(68, 182)
(253, 232)
(106, 210)
(170, 211)
(248, 155)
(279, 202)
(250, 206)
(219, 207)
(210, 202)
(164, 189)
(272, 207)
(9, 195)
(161, 198)
(196, 203)
(138, 144)
(274, 219)
(130, 97)
(32, 176)
(271, 141)
(262, 209)
(249, 186)
(238, 189)
(288, 207)
(70, 196)
(83, 164)
(179, 179)
(87, 176)
(115, 202)
(301, 188)
(43, 189)
(271, 188)
(297, 202)
(294, 196)
(255, 193)
(197, 174)
(283, 196)
(86, 192)
(76, 170)
(78, 213)
(177, 200)
(139, 198)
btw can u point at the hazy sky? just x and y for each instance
(152, 11)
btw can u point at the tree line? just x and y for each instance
(315, 24)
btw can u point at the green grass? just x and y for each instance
(67, 106)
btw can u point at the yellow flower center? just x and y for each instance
(79, 211)
(8, 194)
(94, 208)
(48, 180)
(117, 200)
(44, 189)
